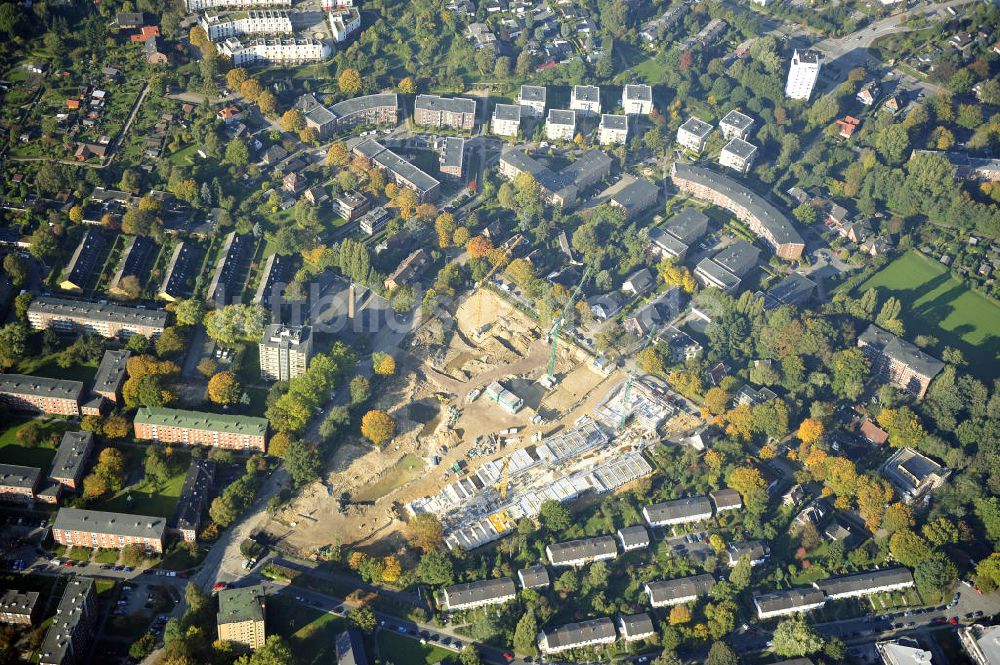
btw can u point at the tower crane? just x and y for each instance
(557, 325)
(631, 379)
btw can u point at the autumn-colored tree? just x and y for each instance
(338, 155)
(739, 421)
(356, 559)
(897, 516)
(873, 494)
(677, 275)
(235, 77)
(680, 615)
(461, 237)
(223, 388)
(292, 120)
(207, 367)
(267, 103)
(748, 481)
(479, 246)
(716, 400)
(717, 543)
(714, 460)
(116, 427)
(383, 364)
(842, 476)
(649, 361)
(406, 202)
(199, 39)
(425, 532)
(251, 89)
(904, 427)
(349, 82)
(378, 426)
(391, 569)
(407, 86)
(810, 431)
(445, 226)
(309, 135)
(279, 443)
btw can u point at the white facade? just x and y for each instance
(802, 74)
(286, 51)
(560, 125)
(256, 22)
(692, 134)
(738, 155)
(344, 23)
(506, 120)
(613, 129)
(532, 99)
(586, 98)
(202, 5)
(637, 99)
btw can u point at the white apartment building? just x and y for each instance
(254, 22)
(613, 129)
(692, 134)
(637, 99)
(738, 155)
(803, 73)
(586, 99)
(532, 98)
(344, 23)
(506, 120)
(202, 5)
(560, 125)
(736, 125)
(293, 50)
(285, 352)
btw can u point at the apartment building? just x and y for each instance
(380, 109)
(788, 601)
(253, 22)
(506, 119)
(562, 187)
(40, 394)
(71, 458)
(451, 112)
(375, 220)
(736, 125)
(18, 484)
(763, 218)
(451, 161)
(635, 196)
(577, 635)
(678, 511)
(285, 351)
(194, 498)
(899, 362)
(803, 73)
(77, 317)
(402, 172)
(586, 99)
(344, 22)
(276, 50)
(241, 617)
(202, 5)
(83, 266)
(866, 583)
(111, 375)
(231, 432)
(583, 551)
(94, 528)
(613, 129)
(479, 594)
(19, 608)
(637, 99)
(560, 125)
(352, 205)
(68, 638)
(534, 577)
(532, 99)
(693, 134)
(666, 593)
(738, 155)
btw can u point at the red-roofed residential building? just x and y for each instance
(874, 433)
(847, 125)
(72, 103)
(230, 114)
(147, 32)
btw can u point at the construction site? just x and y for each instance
(494, 416)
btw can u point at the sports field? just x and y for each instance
(935, 303)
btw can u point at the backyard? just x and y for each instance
(311, 633)
(937, 304)
(143, 499)
(39, 456)
(396, 648)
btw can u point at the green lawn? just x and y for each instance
(310, 632)
(12, 452)
(935, 303)
(47, 366)
(143, 500)
(395, 648)
(106, 556)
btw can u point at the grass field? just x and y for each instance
(47, 366)
(310, 632)
(395, 648)
(143, 500)
(12, 452)
(935, 303)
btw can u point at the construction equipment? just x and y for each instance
(631, 379)
(500, 264)
(557, 325)
(504, 479)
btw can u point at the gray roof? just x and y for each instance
(740, 121)
(634, 536)
(111, 371)
(278, 335)
(533, 93)
(684, 587)
(769, 216)
(792, 290)
(738, 258)
(740, 148)
(869, 579)
(25, 477)
(579, 633)
(82, 264)
(454, 151)
(585, 548)
(358, 104)
(726, 498)
(562, 117)
(446, 104)
(717, 273)
(15, 602)
(699, 128)
(688, 507)
(787, 599)
(810, 56)
(588, 168)
(636, 624)
(507, 112)
(639, 92)
(390, 161)
(119, 524)
(534, 576)
(666, 240)
(98, 311)
(587, 93)
(901, 350)
(194, 495)
(40, 386)
(74, 606)
(71, 456)
(636, 193)
(612, 121)
(482, 591)
(641, 279)
(754, 549)
(687, 225)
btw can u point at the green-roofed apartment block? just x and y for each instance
(198, 428)
(241, 616)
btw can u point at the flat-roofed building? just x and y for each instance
(40, 394)
(402, 172)
(352, 205)
(981, 643)
(71, 459)
(19, 608)
(451, 112)
(635, 627)
(374, 221)
(349, 648)
(738, 155)
(898, 361)
(637, 99)
(18, 484)
(77, 316)
(756, 551)
(633, 538)
(560, 125)
(727, 268)
(665, 593)
(577, 635)
(194, 498)
(68, 638)
(285, 351)
(586, 99)
(613, 129)
(866, 583)
(98, 529)
(803, 73)
(788, 601)
(506, 119)
(241, 617)
(532, 99)
(726, 499)
(479, 594)
(693, 134)
(111, 375)
(678, 511)
(913, 474)
(904, 651)
(452, 159)
(154, 423)
(635, 197)
(379, 109)
(736, 125)
(796, 290)
(582, 551)
(763, 218)
(534, 577)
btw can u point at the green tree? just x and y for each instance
(525, 634)
(721, 654)
(850, 371)
(237, 153)
(302, 462)
(740, 575)
(469, 656)
(908, 548)
(893, 144)
(554, 516)
(236, 323)
(935, 575)
(436, 567)
(361, 389)
(157, 471)
(13, 343)
(805, 213)
(274, 652)
(132, 555)
(795, 638)
(16, 268)
(143, 646)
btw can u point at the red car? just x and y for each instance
(508, 656)
(953, 621)
(218, 586)
(67, 563)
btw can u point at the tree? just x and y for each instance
(378, 426)
(988, 573)
(680, 615)
(805, 213)
(267, 103)
(741, 573)
(794, 638)
(223, 388)
(132, 555)
(277, 652)
(302, 463)
(469, 656)
(349, 82)
(235, 77)
(237, 153)
(251, 90)
(157, 471)
(478, 246)
(940, 531)
(292, 120)
(13, 343)
(893, 144)
(810, 431)
(667, 657)
(749, 482)
(407, 86)
(873, 494)
(525, 634)
(903, 426)
(436, 567)
(897, 516)
(172, 340)
(935, 575)
(361, 389)
(383, 364)
(850, 370)
(721, 654)
(116, 427)
(338, 155)
(554, 516)
(425, 532)
(649, 361)
(716, 400)
(236, 323)
(16, 268)
(908, 548)
(143, 646)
